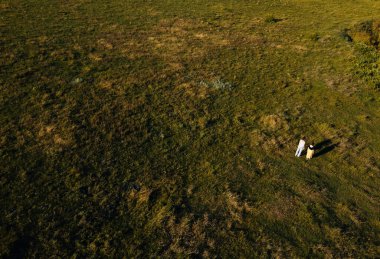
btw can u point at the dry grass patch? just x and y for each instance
(114, 85)
(184, 39)
(176, 66)
(4, 6)
(95, 57)
(273, 136)
(328, 131)
(256, 138)
(309, 192)
(323, 250)
(194, 90)
(132, 45)
(346, 213)
(235, 207)
(54, 138)
(344, 84)
(106, 84)
(271, 144)
(43, 39)
(300, 48)
(188, 236)
(274, 122)
(281, 208)
(103, 43)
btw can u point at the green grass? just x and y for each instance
(168, 128)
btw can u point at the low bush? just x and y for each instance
(367, 66)
(367, 32)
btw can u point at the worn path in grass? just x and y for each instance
(163, 128)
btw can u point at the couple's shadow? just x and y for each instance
(324, 147)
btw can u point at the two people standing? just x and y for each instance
(301, 147)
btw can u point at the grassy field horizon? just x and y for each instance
(168, 128)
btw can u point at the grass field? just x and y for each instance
(133, 128)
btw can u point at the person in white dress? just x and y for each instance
(301, 147)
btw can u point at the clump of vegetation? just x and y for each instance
(367, 65)
(367, 32)
(366, 36)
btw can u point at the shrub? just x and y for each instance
(367, 66)
(367, 32)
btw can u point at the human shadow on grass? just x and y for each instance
(324, 147)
